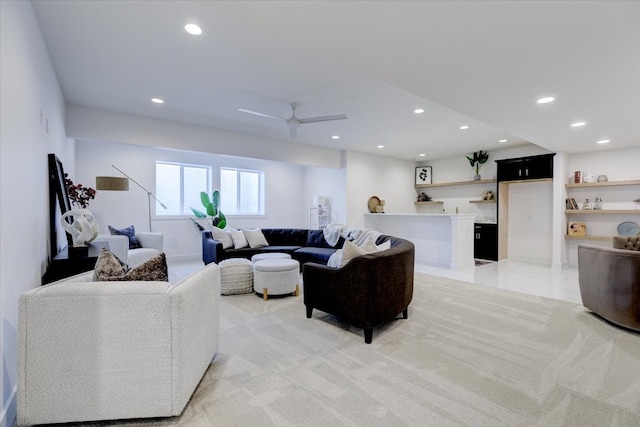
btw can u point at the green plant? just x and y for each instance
(211, 206)
(479, 158)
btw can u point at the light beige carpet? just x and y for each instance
(467, 356)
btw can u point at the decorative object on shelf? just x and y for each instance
(602, 178)
(78, 194)
(589, 177)
(423, 175)
(577, 229)
(487, 195)
(423, 197)
(587, 205)
(373, 204)
(81, 225)
(576, 177)
(637, 203)
(212, 206)
(479, 158)
(597, 206)
(628, 229)
(116, 184)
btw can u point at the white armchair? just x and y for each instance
(152, 244)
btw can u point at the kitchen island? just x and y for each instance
(441, 240)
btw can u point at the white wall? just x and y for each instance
(389, 179)
(330, 183)
(29, 87)
(284, 192)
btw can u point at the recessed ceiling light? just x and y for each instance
(578, 124)
(502, 140)
(464, 127)
(157, 100)
(380, 146)
(193, 29)
(335, 137)
(546, 100)
(419, 110)
(421, 154)
(603, 141)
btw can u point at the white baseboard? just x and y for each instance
(8, 414)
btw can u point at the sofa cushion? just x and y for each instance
(239, 241)
(311, 254)
(222, 236)
(130, 232)
(631, 243)
(255, 238)
(110, 268)
(286, 236)
(316, 239)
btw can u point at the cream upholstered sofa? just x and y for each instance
(152, 245)
(114, 350)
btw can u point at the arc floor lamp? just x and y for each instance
(114, 183)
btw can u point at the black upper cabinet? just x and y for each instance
(531, 167)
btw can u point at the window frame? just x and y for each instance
(184, 214)
(261, 192)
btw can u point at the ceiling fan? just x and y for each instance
(293, 122)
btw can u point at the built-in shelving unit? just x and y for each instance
(598, 212)
(449, 184)
(482, 201)
(433, 202)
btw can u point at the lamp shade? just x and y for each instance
(112, 183)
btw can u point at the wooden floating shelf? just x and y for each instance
(482, 201)
(602, 211)
(433, 202)
(449, 184)
(603, 238)
(603, 184)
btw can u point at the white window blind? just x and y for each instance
(241, 191)
(178, 186)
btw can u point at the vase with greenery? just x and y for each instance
(478, 159)
(212, 207)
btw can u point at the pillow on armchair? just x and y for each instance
(130, 232)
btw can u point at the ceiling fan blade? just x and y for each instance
(255, 113)
(323, 118)
(293, 131)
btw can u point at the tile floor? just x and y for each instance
(512, 275)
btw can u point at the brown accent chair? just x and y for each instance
(369, 290)
(609, 281)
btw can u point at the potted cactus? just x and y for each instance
(212, 207)
(478, 159)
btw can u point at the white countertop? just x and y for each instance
(422, 214)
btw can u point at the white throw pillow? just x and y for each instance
(349, 251)
(239, 241)
(255, 238)
(223, 237)
(384, 246)
(369, 246)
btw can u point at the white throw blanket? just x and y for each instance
(360, 235)
(332, 233)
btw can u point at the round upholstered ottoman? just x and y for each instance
(276, 276)
(236, 276)
(270, 255)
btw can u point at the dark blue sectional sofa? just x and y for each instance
(303, 245)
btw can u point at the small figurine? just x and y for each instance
(422, 197)
(487, 195)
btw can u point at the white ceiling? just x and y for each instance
(478, 63)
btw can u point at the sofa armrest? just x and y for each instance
(212, 251)
(118, 245)
(151, 240)
(104, 349)
(195, 305)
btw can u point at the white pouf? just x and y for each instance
(236, 276)
(276, 277)
(270, 255)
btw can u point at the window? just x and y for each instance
(241, 192)
(179, 185)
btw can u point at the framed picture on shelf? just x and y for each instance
(423, 175)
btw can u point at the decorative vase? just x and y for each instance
(82, 228)
(476, 177)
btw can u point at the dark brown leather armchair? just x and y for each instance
(609, 281)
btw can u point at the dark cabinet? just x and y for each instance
(531, 167)
(485, 244)
(70, 262)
